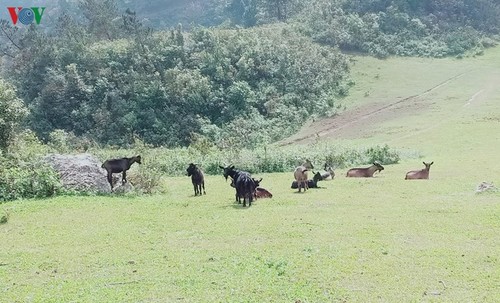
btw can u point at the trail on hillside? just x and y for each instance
(474, 100)
(357, 121)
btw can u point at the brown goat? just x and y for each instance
(300, 175)
(419, 174)
(366, 172)
(262, 193)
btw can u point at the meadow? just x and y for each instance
(382, 239)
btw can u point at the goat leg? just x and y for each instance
(110, 180)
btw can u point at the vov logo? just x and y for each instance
(26, 15)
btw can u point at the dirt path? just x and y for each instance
(357, 122)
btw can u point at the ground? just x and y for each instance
(425, 90)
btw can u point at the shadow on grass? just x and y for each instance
(236, 205)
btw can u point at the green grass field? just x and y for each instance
(355, 240)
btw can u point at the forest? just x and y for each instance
(235, 73)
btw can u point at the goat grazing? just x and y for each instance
(419, 174)
(310, 183)
(197, 178)
(243, 183)
(119, 165)
(365, 172)
(300, 175)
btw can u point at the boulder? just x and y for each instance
(82, 172)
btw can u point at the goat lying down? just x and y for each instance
(329, 173)
(366, 172)
(422, 174)
(310, 183)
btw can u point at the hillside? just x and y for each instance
(427, 104)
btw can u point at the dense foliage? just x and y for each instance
(23, 173)
(405, 27)
(236, 87)
(12, 112)
(105, 77)
(379, 27)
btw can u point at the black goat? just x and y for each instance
(197, 178)
(243, 183)
(311, 183)
(119, 165)
(257, 184)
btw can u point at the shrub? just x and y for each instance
(23, 174)
(265, 159)
(145, 181)
(28, 180)
(382, 154)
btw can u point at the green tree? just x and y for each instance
(12, 113)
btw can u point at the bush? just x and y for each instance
(23, 174)
(28, 180)
(145, 181)
(382, 154)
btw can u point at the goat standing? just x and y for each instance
(243, 182)
(300, 175)
(197, 178)
(119, 165)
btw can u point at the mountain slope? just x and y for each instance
(400, 98)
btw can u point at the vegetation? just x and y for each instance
(107, 77)
(173, 162)
(23, 173)
(12, 112)
(237, 88)
(354, 240)
(406, 28)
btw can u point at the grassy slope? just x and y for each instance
(382, 239)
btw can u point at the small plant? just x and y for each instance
(4, 218)
(146, 181)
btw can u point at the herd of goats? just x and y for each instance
(248, 188)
